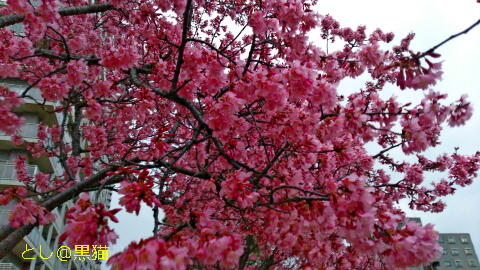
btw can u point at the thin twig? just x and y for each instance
(431, 50)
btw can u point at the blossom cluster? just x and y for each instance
(87, 224)
(25, 211)
(136, 192)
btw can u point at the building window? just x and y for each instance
(451, 240)
(30, 126)
(440, 239)
(11, 156)
(447, 263)
(458, 263)
(7, 164)
(472, 263)
(468, 251)
(5, 265)
(455, 251)
(464, 240)
(445, 251)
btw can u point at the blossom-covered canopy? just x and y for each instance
(226, 115)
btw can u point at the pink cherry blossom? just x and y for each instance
(9, 100)
(29, 212)
(19, 6)
(87, 224)
(137, 192)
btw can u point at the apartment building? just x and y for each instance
(458, 252)
(43, 240)
(44, 236)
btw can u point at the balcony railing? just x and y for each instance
(36, 240)
(19, 86)
(8, 172)
(26, 131)
(8, 266)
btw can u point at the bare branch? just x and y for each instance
(431, 50)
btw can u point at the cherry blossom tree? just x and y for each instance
(226, 116)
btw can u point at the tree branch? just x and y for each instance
(250, 56)
(187, 19)
(14, 18)
(10, 236)
(431, 50)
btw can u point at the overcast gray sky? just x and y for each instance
(432, 21)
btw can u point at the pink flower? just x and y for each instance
(11, 193)
(27, 211)
(87, 224)
(48, 11)
(77, 71)
(150, 253)
(53, 88)
(102, 88)
(35, 26)
(371, 55)
(17, 139)
(239, 189)
(94, 110)
(21, 171)
(461, 112)
(87, 165)
(137, 192)
(120, 58)
(9, 70)
(19, 6)
(10, 121)
(78, 42)
(414, 175)
(257, 22)
(42, 181)
(414, 245)
(225, 250)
